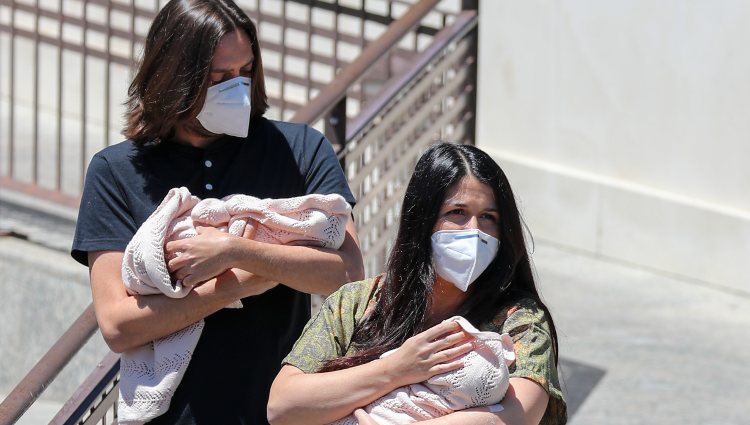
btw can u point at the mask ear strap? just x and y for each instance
(509, 355)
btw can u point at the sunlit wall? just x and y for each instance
(625, 127)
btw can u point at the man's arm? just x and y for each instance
(308, 269)
(128, 321)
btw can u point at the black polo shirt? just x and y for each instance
(240, 350)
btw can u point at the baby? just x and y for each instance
(150, 374)
(482, 381)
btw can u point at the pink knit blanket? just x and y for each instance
(149, 375)
(482, 381)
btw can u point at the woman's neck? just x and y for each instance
(446, 299)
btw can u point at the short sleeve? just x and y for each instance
(328, 335)
(527, 325)
(324, 173)
(104, 221)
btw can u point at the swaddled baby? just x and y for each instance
(482, 381)
(149, 375)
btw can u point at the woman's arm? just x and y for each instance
(524, 404)
(318, 398)
(304, 268)
(128, 321)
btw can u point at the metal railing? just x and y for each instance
(431, 101)
(379, 141)
(47, 368)
(434, 103)
(65, 66)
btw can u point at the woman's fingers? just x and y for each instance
(450, 340)
(445, 367)
(453, 352)
(445, 361)
(439, 330)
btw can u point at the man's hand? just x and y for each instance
(202, 257)
(250, 284)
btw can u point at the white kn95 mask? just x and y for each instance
(227, 108)
(461, 256)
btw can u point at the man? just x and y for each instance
(195, 119)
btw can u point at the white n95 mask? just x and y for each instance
(460, 256)
(227, 108)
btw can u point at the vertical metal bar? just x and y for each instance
(362, 45)
(85, 50)
(389, 55)
(337, 9)
(133, 38)
(309, 55)
(58, 166)
(12, 78)
(335, 124)
(283, 60)
(35, 105)
(470, 5)
(107, 73)
(362, 26)
(471, 95)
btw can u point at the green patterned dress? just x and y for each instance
(329, 333)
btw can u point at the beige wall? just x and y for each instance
(625, 127)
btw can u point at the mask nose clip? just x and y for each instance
(459, 258)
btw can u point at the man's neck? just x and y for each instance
(187, 137)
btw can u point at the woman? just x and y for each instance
(457, 193)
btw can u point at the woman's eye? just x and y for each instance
(216, 79)
(490, 217)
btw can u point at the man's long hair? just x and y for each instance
(405, 290)
(173, 74)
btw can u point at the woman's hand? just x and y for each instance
(202, 257)
(363, 418)
(429, 353)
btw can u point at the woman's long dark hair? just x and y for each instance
(405, 291)
(172, 78)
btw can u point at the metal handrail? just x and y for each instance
(87, 394)
(464, 23)
(330, 95)
(47, 368)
